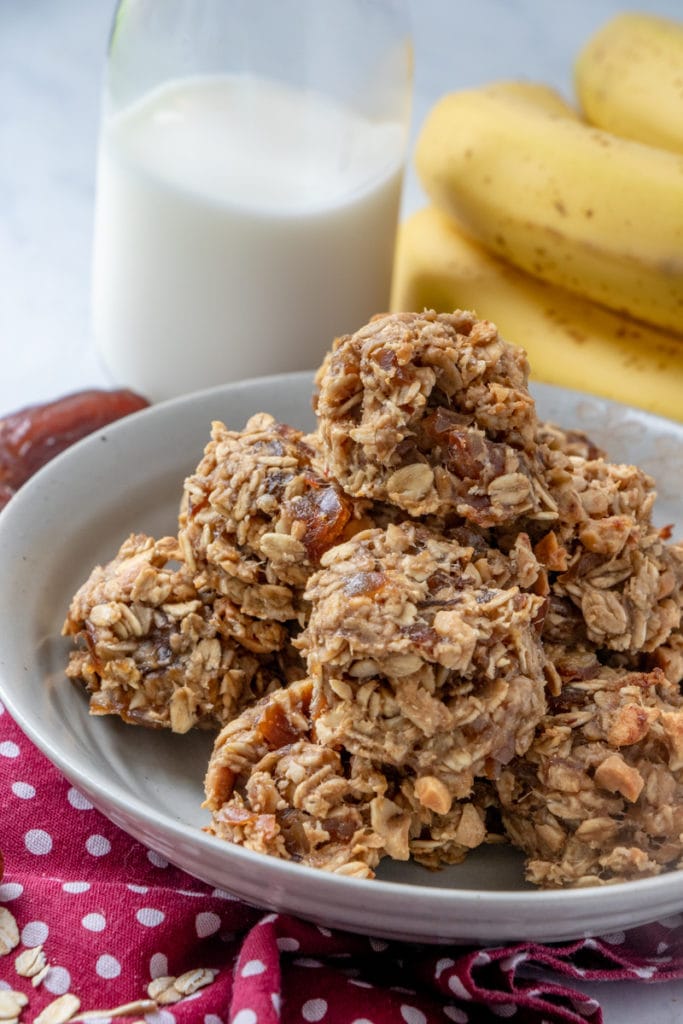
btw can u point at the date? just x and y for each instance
(31, 437)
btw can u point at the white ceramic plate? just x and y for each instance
(128, 477)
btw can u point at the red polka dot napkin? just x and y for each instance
(113, 918)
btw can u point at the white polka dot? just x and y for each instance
(672, 922)
(644, 972)
(34, 933)
(443, 965)
(206, 923)
(361, 1020)
(108, 966)
(190, 892)
(324, 931)
(379, 945)
(156, 859)
(160, 1017)
(511, 963)
(10, 891)
(314, 1009)
(9, 749)
(662, 947)
(38, 841)
(304, 961)
(24, 790)
(5, 986)
(287, 945)
(57, 980)
(503, 1009)
(158, 966)
(212, 1018)
(94, 922)
(76, 886)
(253, 967)
(221, 894)
(138, 888)
(457, 988)
(481, 959)
(245, 1017)
(78, 801)
(268, 918)
(98, 846)
(150, 917)
(456, 1014)
(276, 1001)
(359, 984)
(614, 938)
(412, 1015)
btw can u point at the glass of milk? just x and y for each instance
(249, 177)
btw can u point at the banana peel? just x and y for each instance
(569, 341)
(629, 79)
(576, 206)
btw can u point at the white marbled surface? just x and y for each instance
(51, 62)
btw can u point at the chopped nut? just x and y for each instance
(672, 721)
(617, 776)
(471, 830)
(631, 724)
(432, 793)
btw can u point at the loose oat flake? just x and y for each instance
(31, 962)
(192, 981)
(162, 990)
(60, 1010)
(11, 1004)
(9, 931)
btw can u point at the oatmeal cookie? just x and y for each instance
(273, 787)
(614, 581)
(158, 652)
(598, 797)
(426, 664)
(257, 515)
(431, 412)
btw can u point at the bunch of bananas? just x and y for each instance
(565, 230)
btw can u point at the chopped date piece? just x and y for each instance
(32, 436)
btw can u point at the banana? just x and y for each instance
(629, 79)
(576, 206)
(569, 341)
(538, 95)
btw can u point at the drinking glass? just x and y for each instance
(248, 186)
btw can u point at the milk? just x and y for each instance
(240, 226)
